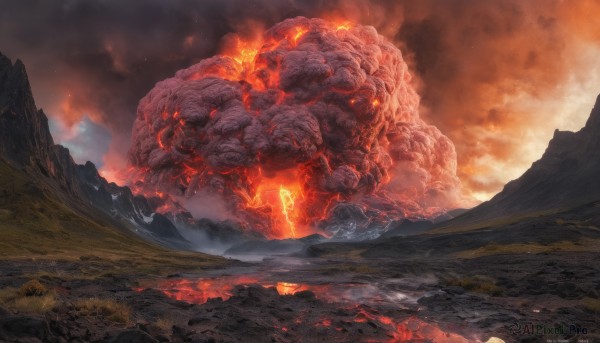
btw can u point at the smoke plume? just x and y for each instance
(318, 112)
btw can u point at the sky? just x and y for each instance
(497, 77)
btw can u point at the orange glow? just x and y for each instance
(287, 204)
(375, 102)
(281, 206)
(159, 139)
(324, 323)
(287, 288)
(246, 56)
(199, 291)
(409, 329)
(404, 329)
(345, 26)
(298, 32)
(116, 175)
(284, 198)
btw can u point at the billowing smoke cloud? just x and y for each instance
(496, 77)
(327, 108)
(499, 77)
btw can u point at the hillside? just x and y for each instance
(567, 176)
(52, 208)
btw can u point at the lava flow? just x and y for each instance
(286, 127)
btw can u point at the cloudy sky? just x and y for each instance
(497, 77)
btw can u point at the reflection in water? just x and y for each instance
(411, 329)
(199, 291)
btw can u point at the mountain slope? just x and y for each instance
(567, 176)
(554, 207)
(50, 206)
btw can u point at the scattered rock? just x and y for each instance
(133, 336)
(12, 328)
(4, 313)
(305, 294)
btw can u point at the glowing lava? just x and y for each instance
(287, 204)
(298, 32)
(343, 27)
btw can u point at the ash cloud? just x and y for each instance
(332, 102)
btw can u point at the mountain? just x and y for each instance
(567, 176)
(48, 172)
(553, 208)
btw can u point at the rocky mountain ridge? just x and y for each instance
(26, 144)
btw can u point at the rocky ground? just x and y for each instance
(309, 300)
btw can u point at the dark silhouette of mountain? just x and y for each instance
(567, 176)
(27, 145)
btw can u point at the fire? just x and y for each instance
(288, 288)
(287, 204)
(246, 56)
(283, 197)
(343, 27)
(298, 32)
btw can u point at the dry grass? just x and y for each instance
(165, 324)
(39, 304)
(591, 304)
(106, 308)
(32, 297)
(477, 284)
(531, 248)
(349, 268)
(40, 225)
(32, 288)
(465, 225)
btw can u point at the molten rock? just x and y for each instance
(282, 129)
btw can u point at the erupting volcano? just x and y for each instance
(284, 128)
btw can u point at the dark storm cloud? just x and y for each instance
(101, 57)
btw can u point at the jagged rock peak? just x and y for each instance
(593, 123)
(15, 90)
(24, 132)
(26, 142)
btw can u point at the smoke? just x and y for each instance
(206, 205)
(498, 78)
(326, 109)
(495, 77)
